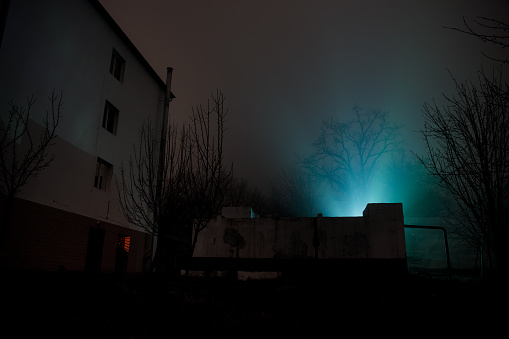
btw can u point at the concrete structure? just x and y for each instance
(69, 215)
(375, 241)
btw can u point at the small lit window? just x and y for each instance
(103, 172)
(110, 118)
(124, 242)
(117, 66)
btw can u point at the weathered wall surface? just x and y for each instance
(67, 46)
(44, 238)
(379, 234)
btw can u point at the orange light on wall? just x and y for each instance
(125, 242)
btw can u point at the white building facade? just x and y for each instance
(69, 216)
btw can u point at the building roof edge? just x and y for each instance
(104, 13)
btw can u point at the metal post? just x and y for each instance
(446, 243)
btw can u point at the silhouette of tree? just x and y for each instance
(405, 179)
(208, 180)
(151, 179)
(293, 193)
(467, 143)
(241, 193)
(346, 154)
(488, 30)
(174, 196)
(23, 154)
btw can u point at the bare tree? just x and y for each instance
(23, 154)
(404, 179)
(346, 154)
(488, 30)
(173, 190)
(241, 193)
(293, 192)
(209, 179)
(143, 187)
(468, 149)
(152, 179)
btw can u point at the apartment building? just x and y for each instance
(68, 216)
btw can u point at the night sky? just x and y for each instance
(285, 66)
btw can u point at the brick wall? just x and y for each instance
(39, 237)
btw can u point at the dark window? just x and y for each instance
(110, 118)
(94, 256)
(117, 66)
(103, 172)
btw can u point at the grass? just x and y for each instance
(74, 305)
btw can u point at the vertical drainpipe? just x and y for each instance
(162, 147)
(164, 130)
(166, 110)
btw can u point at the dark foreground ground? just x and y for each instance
(72, 305)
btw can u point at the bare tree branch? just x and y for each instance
(294, 193)
(346, 154)
(22, 154)
(177, 198)
(495, 32)
(16, 137)
(468, 149)
(143, 195)
(209, 179)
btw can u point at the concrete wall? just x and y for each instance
(378, 234)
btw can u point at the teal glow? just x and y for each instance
(397, 181)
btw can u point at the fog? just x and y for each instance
(285, 66)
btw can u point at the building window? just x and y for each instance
(110, 118)
(117, 66)
(124, 241)
(103, 173)
(122, 255)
